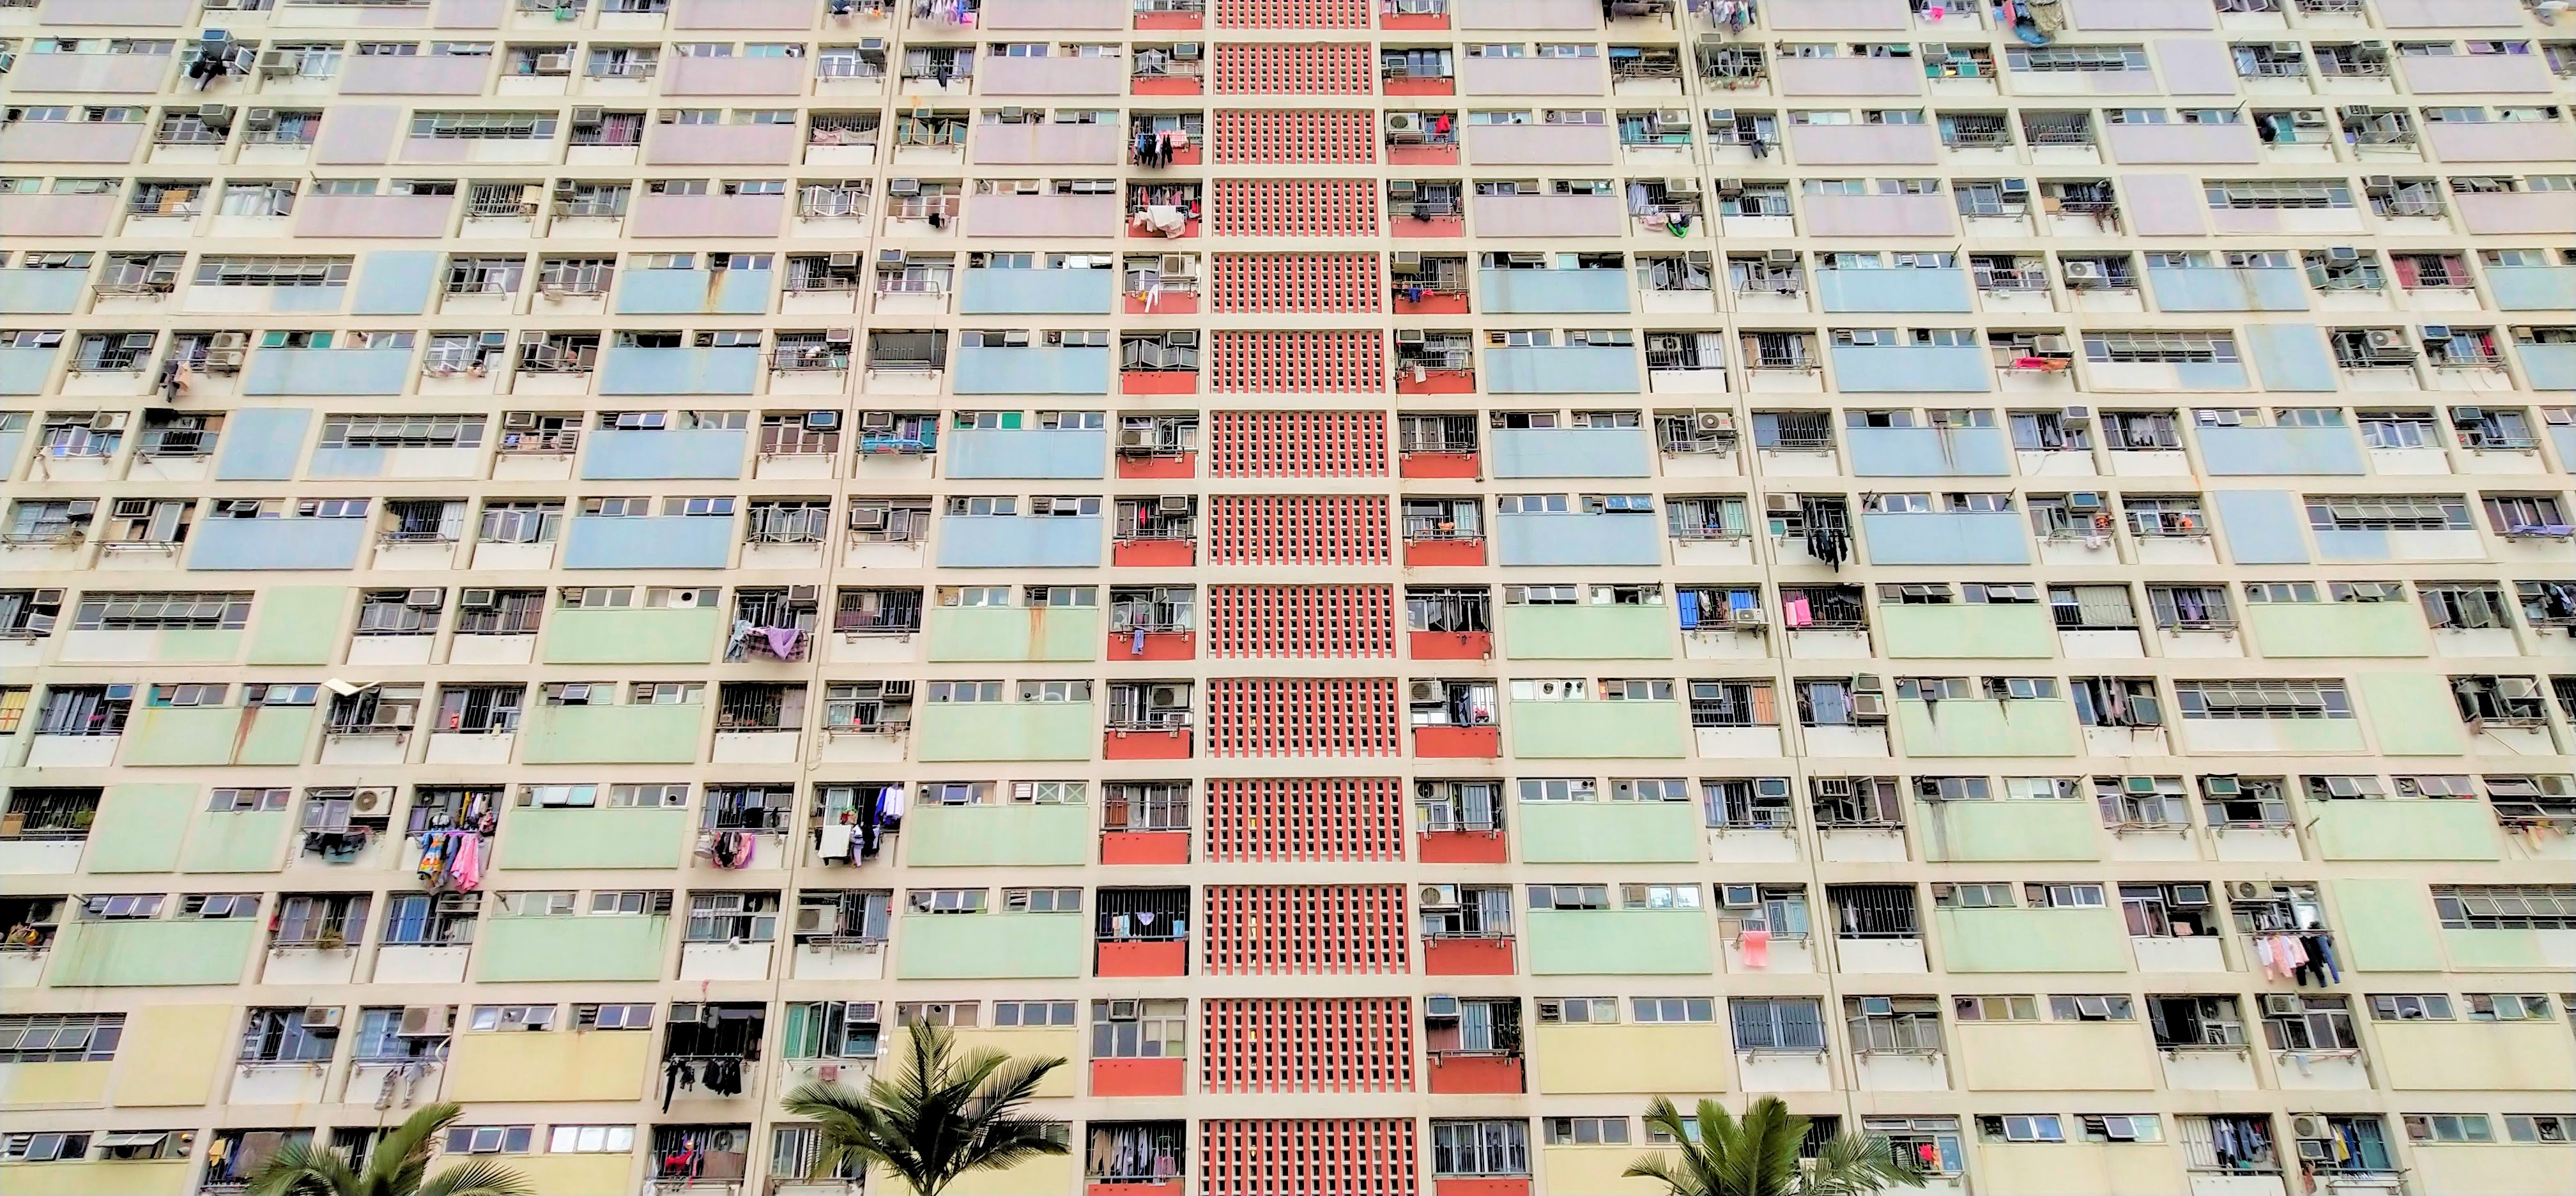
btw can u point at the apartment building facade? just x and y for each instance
(1390, 579)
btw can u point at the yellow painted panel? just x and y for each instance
(2056, 1168)
(27, 1084)
(1683, 1062)
(2483, 1168)
(1594, 1171)
(604, 1065)
(568, 1173)
(170, 1178)
(2058, 1056)
(1030, 1044)
(1052, 1175)
(2531, 1057)
(171, 1054)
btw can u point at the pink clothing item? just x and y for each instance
(467, 868)
(1755, 947)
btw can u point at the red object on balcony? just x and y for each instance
(1431, 304)
(1144, 847)
(1159, 645)
(1467, 957)
(1158, 382)
(1171, 20)
(1143, 959)
(1451, 645)
(1433, 553)
(1458, 743)
(1145, 745)
(1415, 20)
(1157, 1187)
(1434, 382)
(1167, 303)
(1411, 86)
(1165, 85)
(1158, 465)
(1464, 847)
(1438, 465)
(1422, 155)
(1476, 1073)
(1152, 554)
(1137, 1077)
(1481, 1187)
(1436, 226)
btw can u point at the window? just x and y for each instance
(1995, 1009)
(61, 1038)
(591, 1139)
(1778, 1023)
(490, 1139)
(2092, 1009)
(2410, 1007)
(1042, 901)
(2507, 1007)
(945, 901)
(1587, 1131)
(2021, 1127)
(2448, 1127)
(2286, 699)
(1471, 1149)
(1672, 1010)
(2299, 1022)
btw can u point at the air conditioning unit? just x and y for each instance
(1425, 693)
(1738, 896)
(822, 421)
(1404, 122)
(215, 116)
(589, 116)
(839, 336)
(2386, 338)
(1166, 695)
(1681, 186)
(1438, 897)
(903, 186)
(1185, 51)
(554, 64)
(2084, 500)
(421, 1021)
(280, 62)
(132, 508)
(876, 421)
(1173, 504)
(2304, 1125)
(2380, 182)
(477, 599)
(1408, 336)
(817, 919)
(2087, 271)
(1399, 188)
(2437, 332)
(425, 598)
(2247, 890)
(519, 421)
(2051, 346)
(1869, 705)
(1714, 421)
(108, 421)
(368, 801)
(1781, 257)
(322, 1017)
(1126, 1011)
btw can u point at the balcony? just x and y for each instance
(1017, 215)
(1536, 145)
(1012, 633)
(1618, 942)
(1949, 369)
(551, 838)
(1619, 832)
(1550, 216)
(989, 292)
(1017, 835)
(1552, 292)
(2202, 289)
(153, 954)
(641, 734)
(1968, 631)
(655, 542)
(712, 215)
(2032, 940)
(327, 372)
(563, 947)
(1027, 731)
(1956, 727)
(1580, 539)
(1945, 537)
(1020, 542)
(646, 370)
(1562, 369)
(231, 544)
(611, 454)
(1597, 730)
(992, 946)
(1928, 452)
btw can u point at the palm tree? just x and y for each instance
(1718, 1155)
(943, 1114)
(397, 1166)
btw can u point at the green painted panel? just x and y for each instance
(2485, 950)
(279, 736)
(1598, 730)
(951, 836)
(137, 828)
(2319, 736)
(1969, 631)
(1588, 632)
(564, 947)
(550, 837)
(1971, 831)
(973, 633)
(613, 735)
(197, 645)
(2403, 830)
(154, 953)
(991, 946)
(1987, 727)
(297, 624)
(186, 735)
(2032, 940)
(239, 841)
(1005, 731)
(2337, 629)
(1617, 832)
(2385, 926)
(680, 635)
(1618, 942)
(2413, 714)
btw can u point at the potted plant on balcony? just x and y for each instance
(398, 1166)
(942, 1114)
(1715, 1154)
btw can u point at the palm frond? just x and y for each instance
(1858, 1165)
(476, 1178)
(303, 1169)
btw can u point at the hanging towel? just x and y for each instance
(1136, 643)
(1755, 948)
(782, 641)
(834, 843)
(466, 873)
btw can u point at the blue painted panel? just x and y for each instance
(694, 292)
(396, 282)
(990, 292)
(2563, 437)
(1022, 542)
(1893, 290)
(1928, 452)
(1580, 539)
(1946, 537)
(2365, 544)
(261, 444)
(25, 371)
(684, 371)
(1027, 452)
(2286, 452)
(347, 463)
(1561, 369)
(1541, 292)
(2263, 527)
(2290, 356)
(327, 372)
(2548, 367)
(12, 442)
(1032, 370)
(2214, 288)
(611, 454)
(315, 300)
(41, 292)
(277, 543)
(1917, 368)
(2532, 288)
(656, 542)
(1568, 452)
